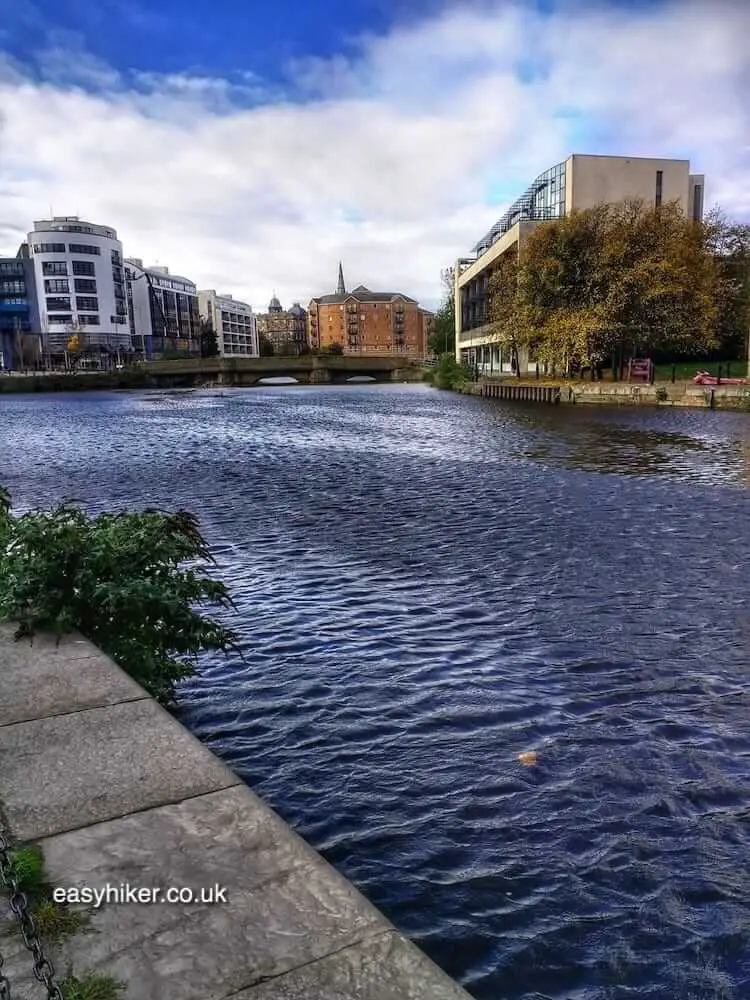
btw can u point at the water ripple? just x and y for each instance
(427, 587)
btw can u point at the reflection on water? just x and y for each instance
(429, 585)
(700, 447)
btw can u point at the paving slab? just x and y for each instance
(285, 908)
(18, 962)
(120, 794)
(382, 967)
(40, 679)
(72, 645)
(67, 771)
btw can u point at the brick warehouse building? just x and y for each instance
(367, 322)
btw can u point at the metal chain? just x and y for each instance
(4, 984)
(44, 971)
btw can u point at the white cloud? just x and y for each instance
(384, 157)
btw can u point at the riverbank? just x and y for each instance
(131, 378)
(687, 394)
(116, 791)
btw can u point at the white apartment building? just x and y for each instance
(78, 272)
(233, 321)
(576, 184)
(162, 310)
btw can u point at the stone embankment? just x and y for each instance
(118, 793)
(722, 397)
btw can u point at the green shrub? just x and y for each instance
(449, 374)
(91, 987)
(745, 402)
(132, 583)
(28, 868)
(54, 921)
(661, 394)
(57, 921)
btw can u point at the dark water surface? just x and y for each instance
(429, 585)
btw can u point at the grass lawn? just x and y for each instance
(685, 370)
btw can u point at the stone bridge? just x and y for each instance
(308, 368)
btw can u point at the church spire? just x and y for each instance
(341, 289)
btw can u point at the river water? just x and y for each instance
(429, 585)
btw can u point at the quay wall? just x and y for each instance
(722, 397)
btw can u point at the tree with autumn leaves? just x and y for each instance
(617, 281)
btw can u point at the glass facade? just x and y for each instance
(543, 199)
(174, 320)
(19, 321)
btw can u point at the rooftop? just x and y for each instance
(362, 294)
(72, 224)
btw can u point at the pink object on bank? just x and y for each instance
(703, 378)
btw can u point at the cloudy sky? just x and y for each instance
(250, 146)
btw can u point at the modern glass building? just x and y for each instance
(162, 310)
(580, 182)
(544, 199)
(20, 330)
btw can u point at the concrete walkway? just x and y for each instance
(117, 791)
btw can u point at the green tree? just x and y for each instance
(730, 243)
(612, 280)
(334, 348)
(175, 354)
(135, 584)
(208, 340)
(265, 346)
(288, 349)
(443, 337)
(661, 289)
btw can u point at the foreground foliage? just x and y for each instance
(132, 583)
(54, 921)
(623, 280)
(449, 374)
(91, 987)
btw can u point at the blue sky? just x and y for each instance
(249, 146)
(204, 37)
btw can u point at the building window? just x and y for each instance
(49, 248)
(89, 320)
(11, 267)
(57, 304)
(85, 268)
(84, 285)
(12, 287)
(55, 286)
(87, 303)
(61, 318)
(659, 184)
(84, 248)
(50, 267)
(697, 200)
